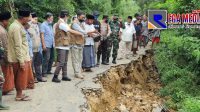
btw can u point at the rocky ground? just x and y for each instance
(128, 86)
(131, 87)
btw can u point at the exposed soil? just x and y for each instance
(131, 87)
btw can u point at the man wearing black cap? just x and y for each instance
(62, 44)
(18, 54)
(6, 68)
(37, 48)
(88, 51)
(4, 21)
(137, 16)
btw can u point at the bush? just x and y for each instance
(178, 60)
(190, 105)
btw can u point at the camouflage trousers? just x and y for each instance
(113, 42)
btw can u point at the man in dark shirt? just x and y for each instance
(138, 28)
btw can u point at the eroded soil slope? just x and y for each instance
(131, 87)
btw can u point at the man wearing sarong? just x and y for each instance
(88, 51)
(6, 67)
(30, 77)
(4, 21)
(62, 44)
(18, 54)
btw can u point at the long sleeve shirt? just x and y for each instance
(77, 27)
(35, 35)
(30, 43)
(18, 49)
(127, 33)
(89, 28)
(3, 43)
(80, 28)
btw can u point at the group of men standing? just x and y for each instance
(27, 47)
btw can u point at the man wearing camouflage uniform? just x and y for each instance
(113, 40)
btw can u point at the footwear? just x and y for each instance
(4, 107)
(55, 64)
(49, 73)
(66, 79)
(23, 98)
(114, 62)
(134, 55)
(107, 60)
(88, 70)
(35, 80)
(97, 65)
(127, 57)
(119, 58)
(79, 76)
(44, 75)
(104, 63)
(98, 60)
(41, 80)
(56, 80)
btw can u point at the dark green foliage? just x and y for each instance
(178, 62)
(122, 7)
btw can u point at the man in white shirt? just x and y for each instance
(127, 37)
(88, 51)
(62, 46)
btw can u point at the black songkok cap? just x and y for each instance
(34, 15)
(5, 16)
(64, 13)
(89, 16)
(24, 13)
(105, 16)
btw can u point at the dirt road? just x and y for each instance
(62, 97)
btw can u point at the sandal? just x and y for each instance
(88, 70)
(23, 98)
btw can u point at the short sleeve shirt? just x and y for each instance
(47, 29)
